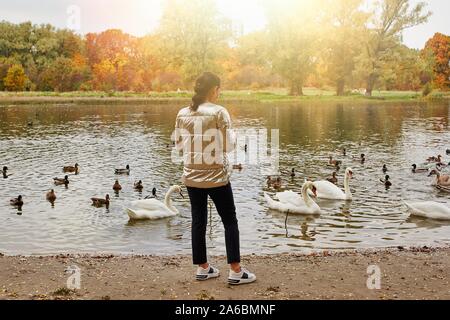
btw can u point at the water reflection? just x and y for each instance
(102, 138)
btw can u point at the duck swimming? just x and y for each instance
(237, 167)
(61, 181)
(99, 202)
(333, 179)
(51, 196)
(293, 173)
(334, 163)
(123, 171)
(5, 172)
(385, 169)
(117, 186)
(17, 202)
(153, 194)
(71, 169)
(138, 185)
(386, 182)
(418, 170)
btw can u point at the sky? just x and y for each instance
(139, 17)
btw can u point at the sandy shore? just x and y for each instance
(416, 273)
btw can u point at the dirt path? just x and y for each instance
(405, 274)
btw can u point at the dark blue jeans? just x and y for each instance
(224, 202)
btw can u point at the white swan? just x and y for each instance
(152, 209)
(328, 190)
(429, 209)
(291, 202)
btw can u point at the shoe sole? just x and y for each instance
(204, 277)
(236, 282)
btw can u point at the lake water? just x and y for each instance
(101, 138)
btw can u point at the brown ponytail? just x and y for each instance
(203, 85)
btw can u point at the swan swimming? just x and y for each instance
(291, 202)
(328, 190)
(428, 209)
(153, 209)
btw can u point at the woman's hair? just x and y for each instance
(203, 85)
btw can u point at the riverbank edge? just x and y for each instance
(406, 273)
(40, 100)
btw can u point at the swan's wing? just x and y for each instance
(149, 204)
(290, 207)
(290, 197)
(149, 215)
(429, 209)
(328, 190)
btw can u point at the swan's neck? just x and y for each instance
(308, 201)
(168, 201)
(348, 193)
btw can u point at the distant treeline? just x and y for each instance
(322, 43)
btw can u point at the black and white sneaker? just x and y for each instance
(208, 273)
(242, 277)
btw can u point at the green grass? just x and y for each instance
(269, 95)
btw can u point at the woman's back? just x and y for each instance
(204, 135)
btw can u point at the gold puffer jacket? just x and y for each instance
(205, 137)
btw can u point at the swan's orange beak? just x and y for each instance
(314, 190)
(350, 174)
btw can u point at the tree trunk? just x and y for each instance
(370, 84)
(296, 89)
(340, 87)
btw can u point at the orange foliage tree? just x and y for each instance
(439, 47)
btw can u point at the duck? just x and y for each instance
(293, 173)
(329, 191)
(17, 202)
(153, 209)
(5, 172)
(123, 171)
(437, 159)
(277, 184)
(138, 185)
(344, 152)
(99, 202)
(153, 195)
(71, 169)
(117, 186)
(418, 170)
(334, 163)
(61, 181)
(385, 169)
(428, 209)
(386, 182)
(291, 202)
(361, 158)
(51, 196)
(237, 167)
(333, 179)
(270, 182)
(441, 179)
(447, 152)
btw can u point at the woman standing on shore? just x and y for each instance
(207, 173)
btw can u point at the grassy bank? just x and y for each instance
(276, 95)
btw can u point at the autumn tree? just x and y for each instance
(292, 30)
(15, 78)
(439, 48)
(194, 35)
(344, 25)
(389, 19)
